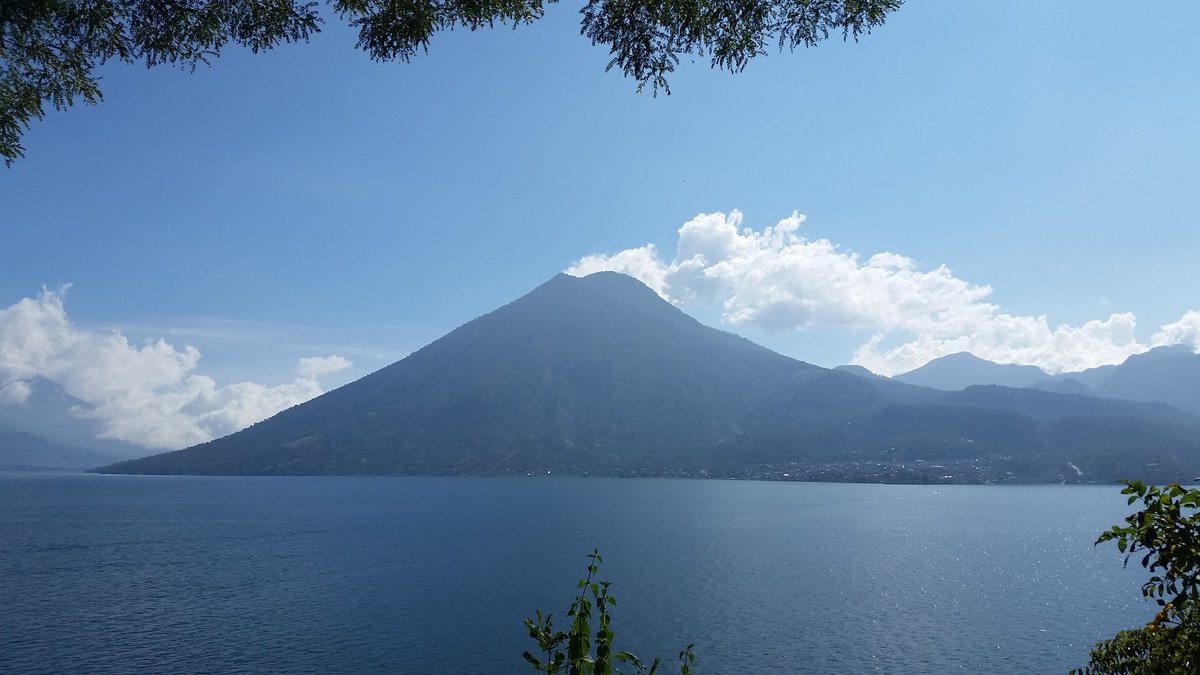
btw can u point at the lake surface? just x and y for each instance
(115, 574)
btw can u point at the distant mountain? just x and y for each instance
(858, 370)
(20, 451)
(1042, 405)
(596, 372)
(1065, 385)
(959, 371)
(598, 375)
(61, 419)
(1167, 374)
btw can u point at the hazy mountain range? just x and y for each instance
(51, 429)
(598, 375)
(1165, 374)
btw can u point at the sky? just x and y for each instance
(203, 249)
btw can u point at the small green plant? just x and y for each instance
(1167, 529)
(579, 659)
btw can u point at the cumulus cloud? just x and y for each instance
(1005, 338)
(316, 366)
(1185, 331)
(15, 392)
(641, 263)
(779, 280)
(148, 394)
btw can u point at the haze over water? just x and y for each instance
(111, 574)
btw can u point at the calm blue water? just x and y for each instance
(116, 574)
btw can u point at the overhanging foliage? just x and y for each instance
(49, 48)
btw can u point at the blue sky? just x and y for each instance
(308, 202)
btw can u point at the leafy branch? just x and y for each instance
(50, 48)
(579, 659)
(1167, 532)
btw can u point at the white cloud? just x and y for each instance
(316, 366)
(1185, 331)
(778, 280)
(15, 392)
(640, 263)
(147, 394)
(1005, 338)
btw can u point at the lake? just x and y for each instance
(115, 574)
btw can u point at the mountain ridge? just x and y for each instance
(23, 451)
(599, 375)
(963, 369)
(1165, 374)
